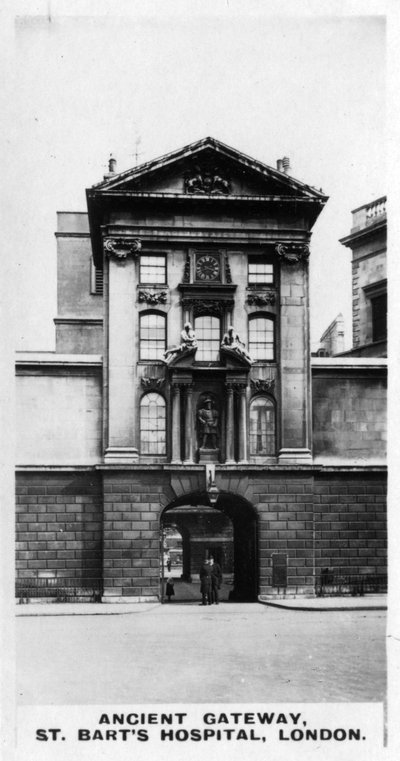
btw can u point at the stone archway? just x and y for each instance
(227, 532)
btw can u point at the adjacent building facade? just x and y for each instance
(182, 397)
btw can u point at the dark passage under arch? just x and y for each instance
(190, 530)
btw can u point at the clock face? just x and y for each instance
(207, 267)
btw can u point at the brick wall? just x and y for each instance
(59, 524)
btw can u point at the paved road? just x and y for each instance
(233, 653)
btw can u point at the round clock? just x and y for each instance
(207, 267)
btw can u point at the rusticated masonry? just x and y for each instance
(59, 525)
(350, 524)
(132, 506)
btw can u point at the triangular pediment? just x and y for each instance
(206, 168)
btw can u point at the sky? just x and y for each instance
(310, 86)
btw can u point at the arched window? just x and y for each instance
(152, 335)
(261, 338)
(262, 426)
(152, 425)
(208, 335)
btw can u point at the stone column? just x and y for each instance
(242, 424)
(230, 430)
(176, 423)
(188, 424)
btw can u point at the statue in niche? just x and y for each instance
(207, 417)
(232, 344)
(188, 343)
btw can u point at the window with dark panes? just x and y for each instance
(153, 269)
(152, 335)
(260, 272)
(379, 317)
(262, 426)
(96, 279)
(152, 425)
(208, 335)
(261, 338)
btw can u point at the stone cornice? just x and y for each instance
(220, 468)
(78, 320)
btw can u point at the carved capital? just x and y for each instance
(159, 297)
(262, 386)
(152, 384)
(121, 248)
(239, 387)
(261, 299)
(293, 253)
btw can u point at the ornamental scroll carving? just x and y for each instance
(261, 299)
(228, 274)
(152, 384)
(121, 248)
(262, 386)
(153, 298)
(207, 180)
(293, 253)
(202, 306)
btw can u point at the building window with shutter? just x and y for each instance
(96, 279)
(152, 329)
(261, 338)
(152, 425)
(262, 426)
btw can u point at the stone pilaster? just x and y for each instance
(294, 354)
(189, 423)
(176, 423)
(230, 427)
(120, 354)
(242, 423)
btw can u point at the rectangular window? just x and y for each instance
(261, 339)
(152, 336)
(260, 272)
(153, 269)
(208, 335)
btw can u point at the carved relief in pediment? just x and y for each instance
(207, 179)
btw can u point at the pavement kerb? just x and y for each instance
(376, 602)
(83, 609)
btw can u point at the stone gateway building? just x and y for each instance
(182, 400)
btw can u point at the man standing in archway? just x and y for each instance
(216, 581)
(205, 582)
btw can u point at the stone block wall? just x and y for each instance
(314, 519)
(59, 524)
(349, 415)
(285, 507)
(350, 524)
(131, 533)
